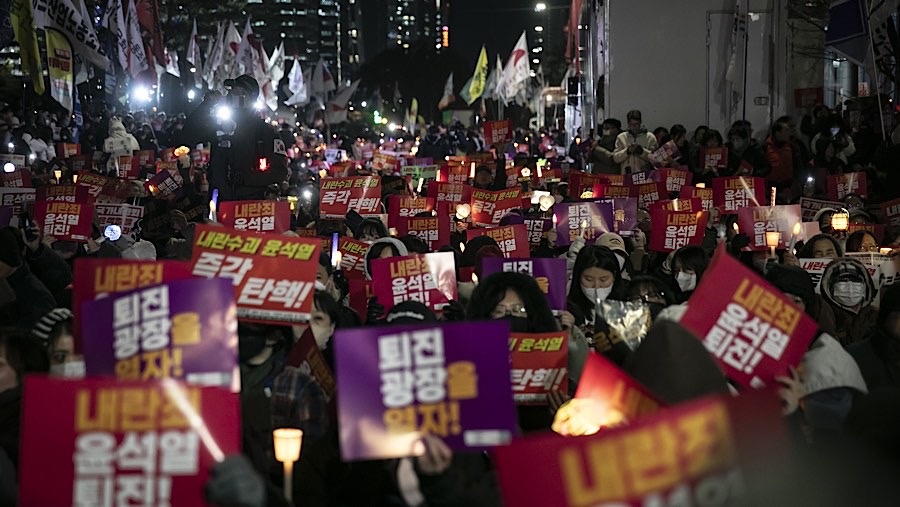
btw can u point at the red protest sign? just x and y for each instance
(434, 231)
(385, 163)
(338, 196)
(123, 215)
(581, 182)
(20, 178)
(842, 185)
(619, 398)
(877, 230)
(65, 221)
(489, 207)
(608, 191)
(648, 193)
(756, 221)
(809, 207)
(66, 150)
(429, 279)
(539, 366)
(650, 461)
(704, 194)
(714, 158)
(752, 330)
(273, 276)
(497, 131)
(117, 442)
(353, 257)
(66, 193)
(675, 178)
(165, 185)
(401, 206)
(125, 167)
(675, 229)
(361, 292)
(259, 216)
(453, 193)
(512, 239)
(693, 205)
(144, 158)
(732, 193)
(890, 212)
(306, 356)
(93, 182)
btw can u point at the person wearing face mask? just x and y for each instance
(745, 157)
(54, 330)
(634, 146)
(847, 287)
(835, 133)
(651, 291)
(688, 265)
(596, 276)
(383, 248)
(878, 355)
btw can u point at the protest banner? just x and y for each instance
(429, 279)
(714, 158)
(64, 221)
(809, 207)
(451, 381)
(64, 193)
(581, 183)
(109, 442)
(665, 153)
(692, 205)
(434, 231)
(756, 221)
(273, 275)
(582, 219)
(122, 215)
(499, 131)
(353, 257)
(259, 216)
(20, 178)
(165, 185)
(402, 206)
(93, 182)
(842, 185)
(704, 194)
(732, 193)
(679, 228)
(890, 212)
(649, 193)
(550, 275)
(539, 366)
(657, 460)
(453, 193)
(385, 163)
(510, 238)
(306, 356)
(489, 207)
(609, 191)
(624, 214)
(876, 230)
(881, 268)
(428, 173)
(537, 229)
(675, 178)
(360, 293)
(185, 329)
(16, 160)
(338, 196)
(17, 198)
(751, 329)
(639, 178)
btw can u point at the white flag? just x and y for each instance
(276, 65)
(114, 21)
(322, 82)
(214, 56)
(172, 62)
(448, 97)
(193, 57)
(336, 109)
(245, 54)
(137, 57)
(231, 40)
(65, 16)
(516, 72)
(490, 85)
(297, 84)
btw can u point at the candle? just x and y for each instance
(419, 189)
(774, 192)
(336, 259)
(58, 175)
(474, 278)
(795, 233)
(675, 203)
(472, 172)
(583, 227)
(288, 442)
(539, 166)
(772, 239)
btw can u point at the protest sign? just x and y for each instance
(428, 172)
(385, 163)
(454, 175)
(657, 460)
(353, 257)
(489, 207)
(537, 229)
(842, 185)
(65, 221)
(259, 216)
(876, 265)
(675, 178)
(429, 279)
(693, 205)
(185, 329)
(165, 185)
(585, 219)
(306, 356)
(714, 158)
(665, 153)
(126, 168)
(338, 196)
(109, 442)
(609, 191)
(402, 206)
(639, 178)
(497, 132)
(399, 383)
(890, 212)
(732, 193)
(620, 398)
(582, 182)
(510, 238)
(93, 182)
(539, 366)
(752, 330)
(649, 193)
(20, 178)
(144, 158)
(122, 215)
(273, 275)
(434, 231)
(550, 275)
(66, 193)
(17, 198)
(16, 160)
(80, 163)
(360, 293)
(815, 268)
(624, 214)
(678, 228)
(756, 221)
(876, 230)
(452, 193)
(809, 207)
(704, 194)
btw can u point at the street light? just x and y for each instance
(539, 28)
(540, 7)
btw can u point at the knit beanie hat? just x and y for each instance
(45, 326)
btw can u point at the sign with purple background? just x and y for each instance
(596, 217)
(186, 329)
(6, 213)
(536, 229)
(624, 214)
(448, 380)
(550, 275)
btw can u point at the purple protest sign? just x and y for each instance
(397, 383)
(624, 214)
(550, 275)
(590, 219)
(6, 213)
(186, 329)
(536, 229)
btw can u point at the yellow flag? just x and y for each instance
(60, 66)
(22, 17)
(476, 86)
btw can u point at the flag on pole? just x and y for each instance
(83, 70)
(516, 72)
(22, 18)
(65, 16)
(172, 63)
(336, 110)
(449, 97)
(193, 57)
(490, 86)
(276, 64)
(322, 82)
(214, 55)
(297, 85)
(148, 16)
(413, 118)
(137, 57)
(59, 67)
(114, 21)
(229, 68)
(475, 87)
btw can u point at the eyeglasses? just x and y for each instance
(653, 297)
(512, 310)
(868, 248)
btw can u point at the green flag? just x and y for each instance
(475, 85)
(22, 18)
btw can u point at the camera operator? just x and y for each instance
(246, 153)
(634, 145)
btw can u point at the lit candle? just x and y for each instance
(288, 442)
(474, 278)
(75, 178)
(583, 227)
(472, 172)
(701, 185)
(58, 175)
(675, 204)
(539, 169)
(336, 260)
(794, 235)
(774, 192)
(419, 188)
(772, 239)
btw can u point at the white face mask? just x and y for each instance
(621, 262)
(849, 293)
(596, 294)
(73, 369)
(322, 334)
(557, 198)
(686, 282)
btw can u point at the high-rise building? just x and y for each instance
(310, 29)
(401, 23)
(353, 51)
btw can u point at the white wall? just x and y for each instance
(658, 59)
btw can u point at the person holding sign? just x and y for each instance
(634, 146)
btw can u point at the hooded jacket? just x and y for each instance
(826, 365)
(119, 142)
(851, 325)
(398, 245)
(634, 163)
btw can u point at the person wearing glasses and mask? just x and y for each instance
(596, 277)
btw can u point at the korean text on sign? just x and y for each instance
(338, 196)
(64, 220)
(539, 366)
(682, 228)
(734, 193)
(510, 238)
(259, 216)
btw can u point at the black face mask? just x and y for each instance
(250, 345)
(517, 324)
(655, 308)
